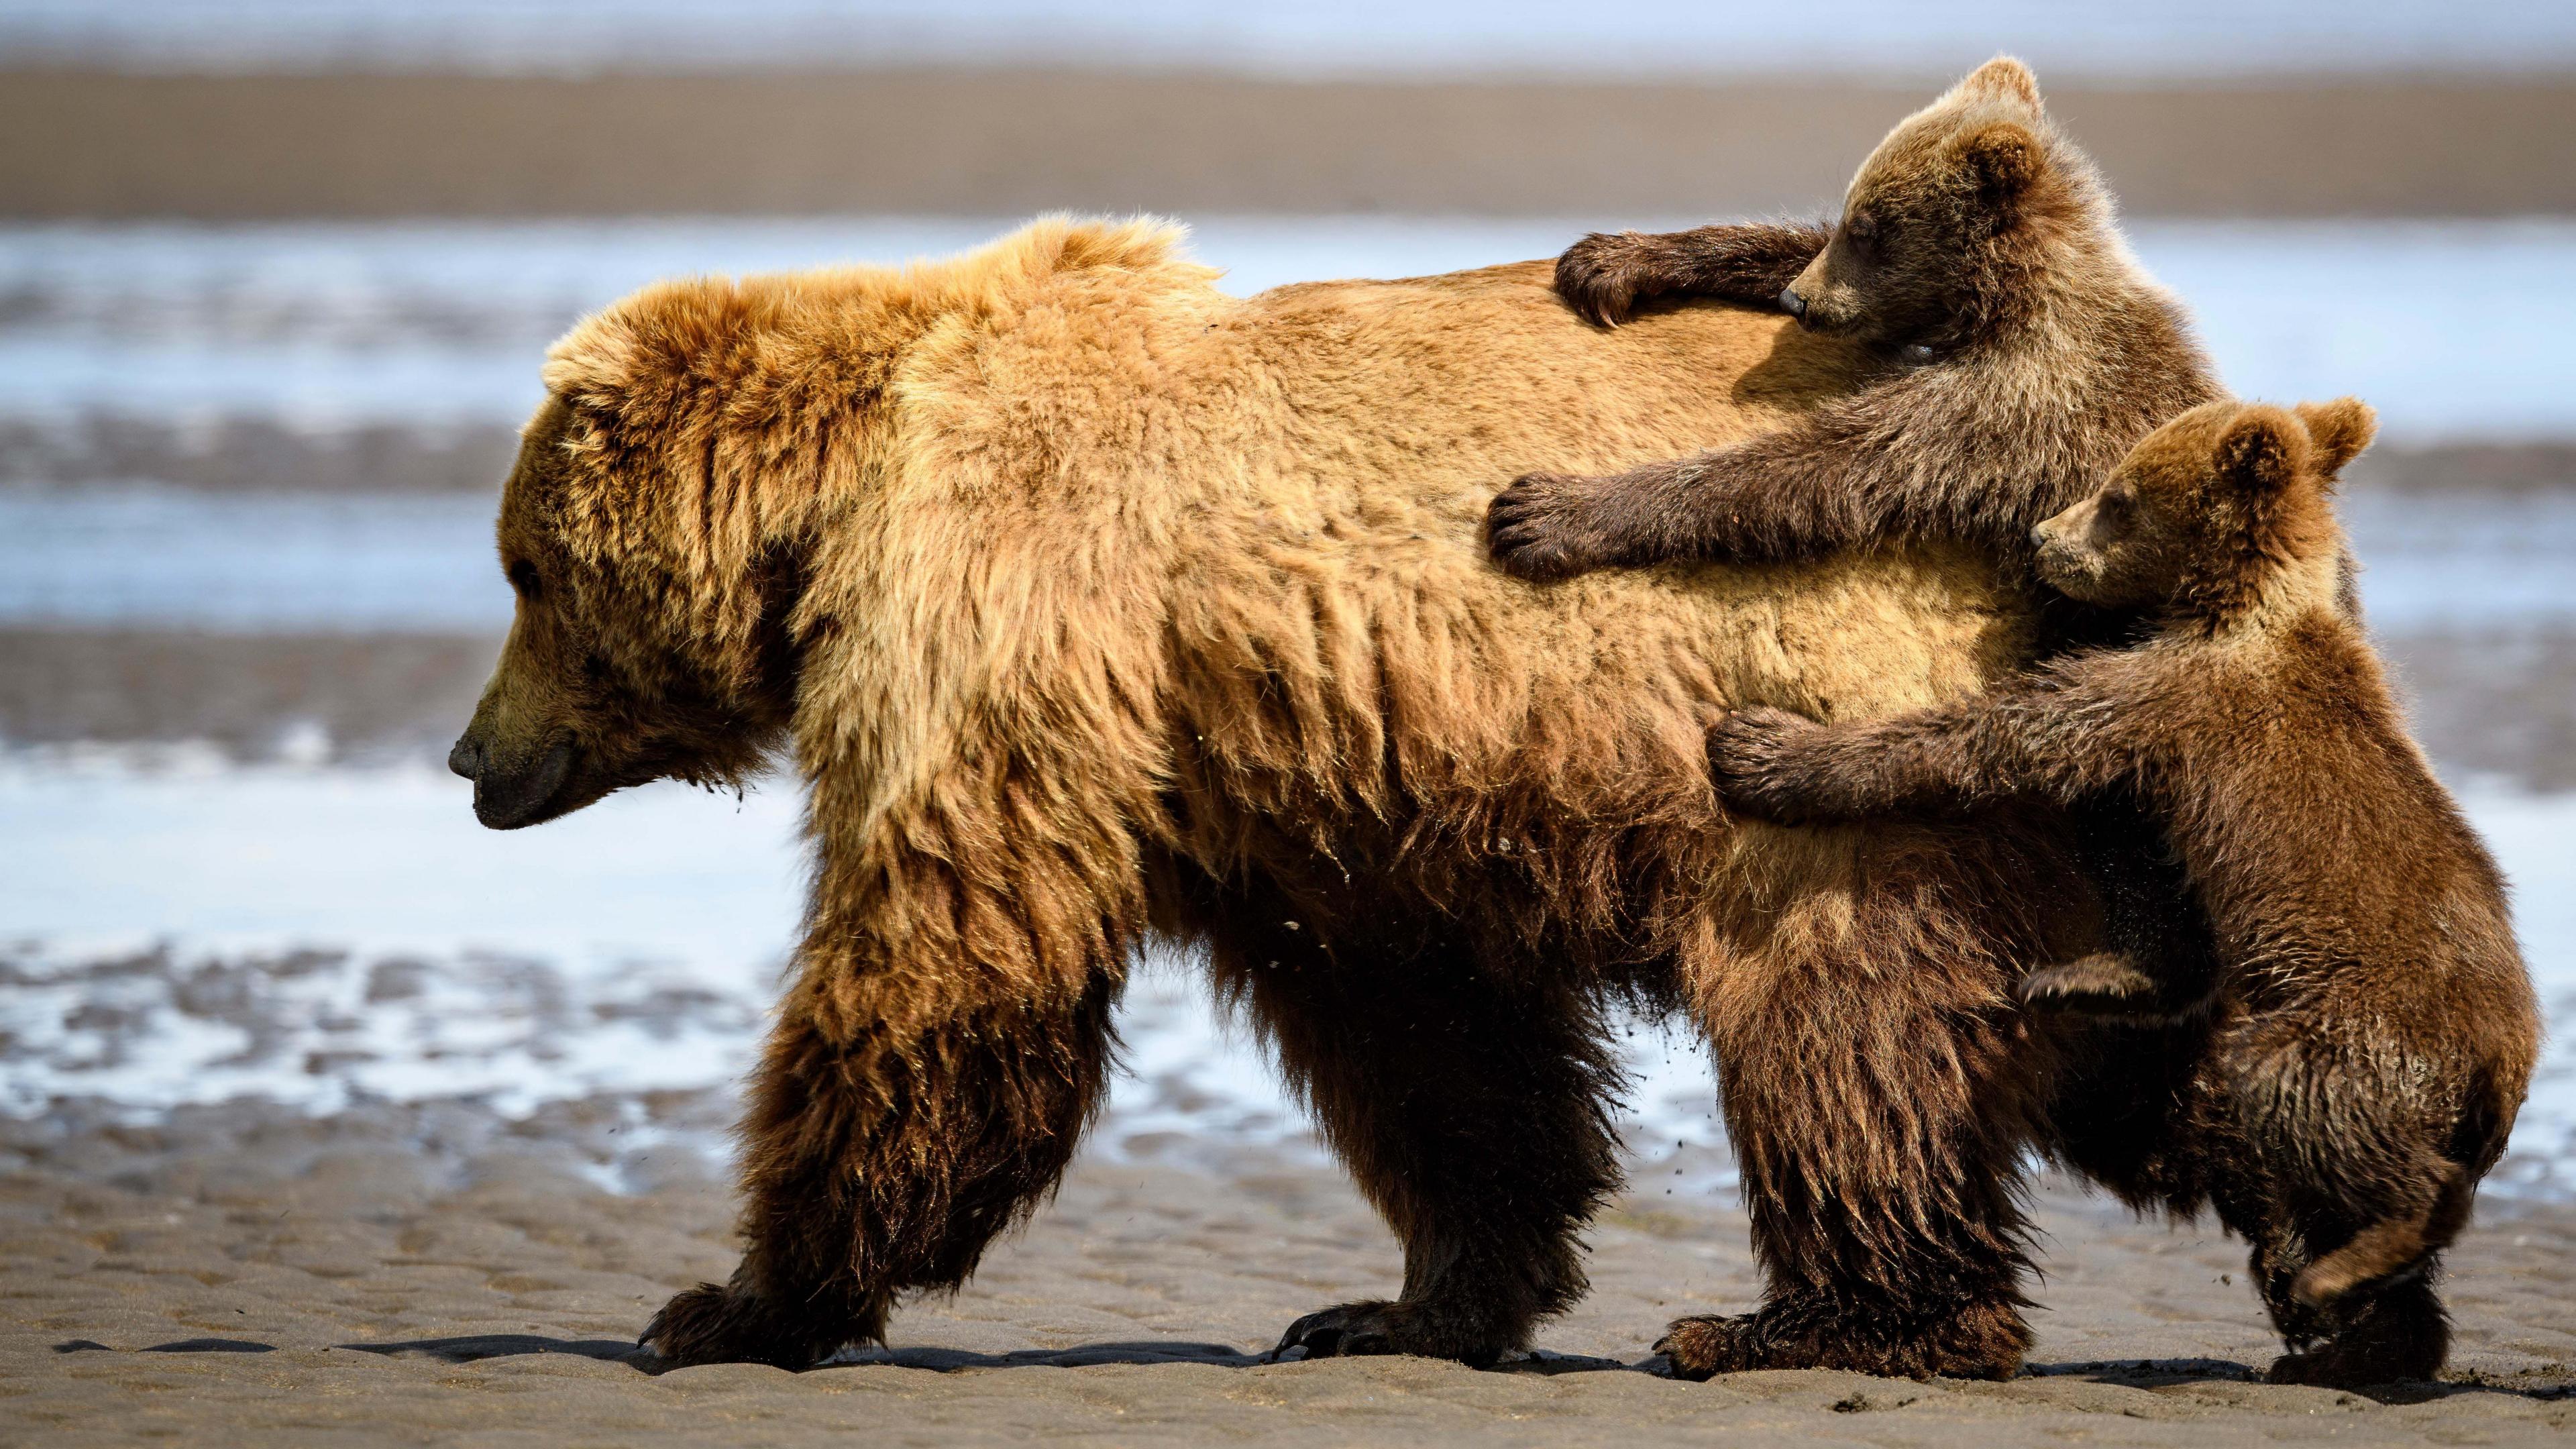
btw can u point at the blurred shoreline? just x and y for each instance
(110, 144)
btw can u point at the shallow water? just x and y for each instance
(1628, 37)
(177, 928)
(424, 563)
(190, 932)
(336, 325)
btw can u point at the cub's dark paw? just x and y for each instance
(1748, 753)
(1546, 527)
(2104, 982)
(1599, 277)
(1697, 1348)
(1355, 1330)
(714, 1324)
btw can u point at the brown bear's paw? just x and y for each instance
(2103, 982)
(713, 1324)
(1548, 526)
(1699, 1347)
(1966, 1341)
(1601, 275)
(1355, 1330)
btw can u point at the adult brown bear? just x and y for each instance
(1094, 603)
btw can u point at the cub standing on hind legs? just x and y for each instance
(2376, 1023)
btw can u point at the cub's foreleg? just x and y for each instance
(1772, 765)
(1605, 275)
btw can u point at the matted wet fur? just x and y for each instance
(2376, 1028)
(1094, 604)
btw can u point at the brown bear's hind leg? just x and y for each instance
(887, 1164)
(1471, 1108)
(1879, 1086)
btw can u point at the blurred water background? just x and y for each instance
(248, 468)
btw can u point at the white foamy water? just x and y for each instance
(188, 933)
(327, 326)
(2183, 37)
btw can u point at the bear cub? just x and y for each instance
(2024, 351)
(2375, 1021)
(2022, 348)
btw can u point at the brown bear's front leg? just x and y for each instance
(886, 1164)
(1467, 1100)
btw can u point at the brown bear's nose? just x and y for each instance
(1792, 303)
(2038, 539)
(467, 758)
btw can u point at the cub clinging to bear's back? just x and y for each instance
(2378, 1025)
(2024, 350)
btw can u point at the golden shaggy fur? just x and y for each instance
(1096, 603)
(2376, 1027)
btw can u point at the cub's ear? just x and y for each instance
(2261, 451)
(2338, 431)
(2003, 157)
(2000, 79)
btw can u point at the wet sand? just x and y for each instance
(251, 1276)
(2498, 703)
(1000, 141)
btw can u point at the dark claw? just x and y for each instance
(1353, 1330)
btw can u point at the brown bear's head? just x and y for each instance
(625, 662)
(2209, 510)
(1948, 217)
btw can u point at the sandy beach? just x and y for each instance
(410, 1275)
(988, 141)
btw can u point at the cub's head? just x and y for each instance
(2210, 509)
(624, 663)
(1950, 218)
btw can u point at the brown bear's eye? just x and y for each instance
(1862, 228)
(523, 577)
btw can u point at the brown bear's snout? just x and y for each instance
(510, 794)
(1793, 304)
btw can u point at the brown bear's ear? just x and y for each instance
(2338, 431)
(2261, 451)
(2004, 157)
(2000, 79)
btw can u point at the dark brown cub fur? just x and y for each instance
(2376, 1028)
(1604, 276)
(2025, 351)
